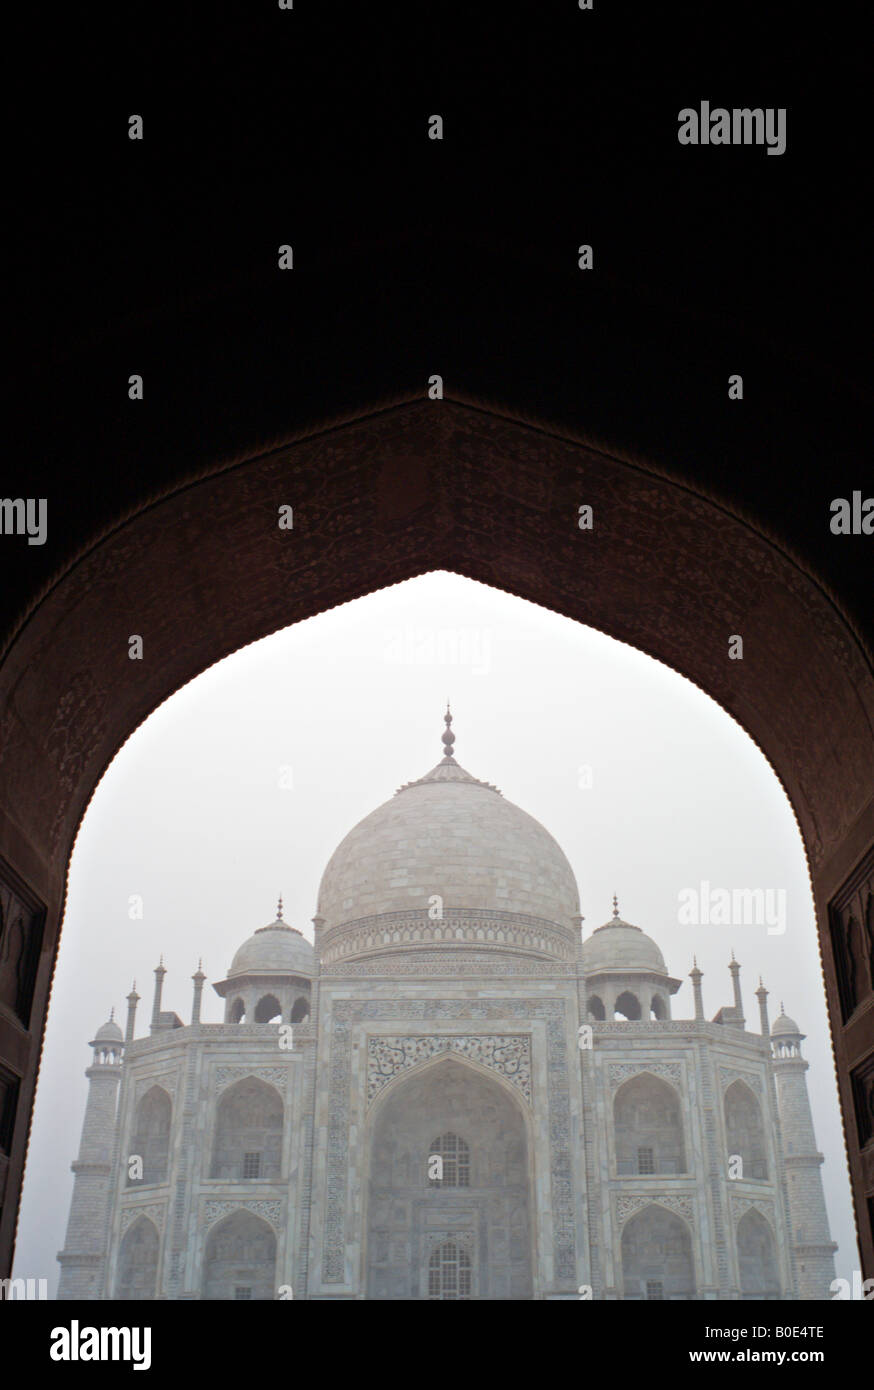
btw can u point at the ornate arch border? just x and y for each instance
(521, 1083)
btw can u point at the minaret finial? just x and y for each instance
(615, 906)
(279, 909)
(448, 737)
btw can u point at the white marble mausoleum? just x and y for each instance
(452, 1093)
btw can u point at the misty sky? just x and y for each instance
(648, 786)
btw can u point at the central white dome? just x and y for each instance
(451, 836)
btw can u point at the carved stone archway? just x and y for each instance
(413, 487)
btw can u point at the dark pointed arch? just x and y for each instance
(648, 1127)
(150, 1138)
(267, 1009)
(657, 1259)
(300, 1011)
(247, 1143)
(137, 1273)
(628, 1005)
(757, 1257)
(745, 1129)
(239, 1260)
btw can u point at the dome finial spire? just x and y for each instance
(448, 737)
(615, 906)
(279, 909)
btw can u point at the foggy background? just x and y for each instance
(243, 783)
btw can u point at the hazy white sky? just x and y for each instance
(648, 786)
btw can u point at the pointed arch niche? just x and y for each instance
(470, 1235)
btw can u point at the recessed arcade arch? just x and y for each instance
(648, 1127)
(756, 1258)
(657, 1261)
(411, 488)
(745, 1130)
(151, 1139)
(239, 1261)
(484, 1206)
(248, 1132)
(137, 1276)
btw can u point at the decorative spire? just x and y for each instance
(448, 737)
(762, 996)
(112, 1014)
(132, 1000)
(198, 977)
(615, 906)
(279, 909)
(734, 971)
(156, 1003)
(696, 977)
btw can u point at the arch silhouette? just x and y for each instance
(267, 1008)
(300, 1011)
(628, 1005)
(410, 488)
